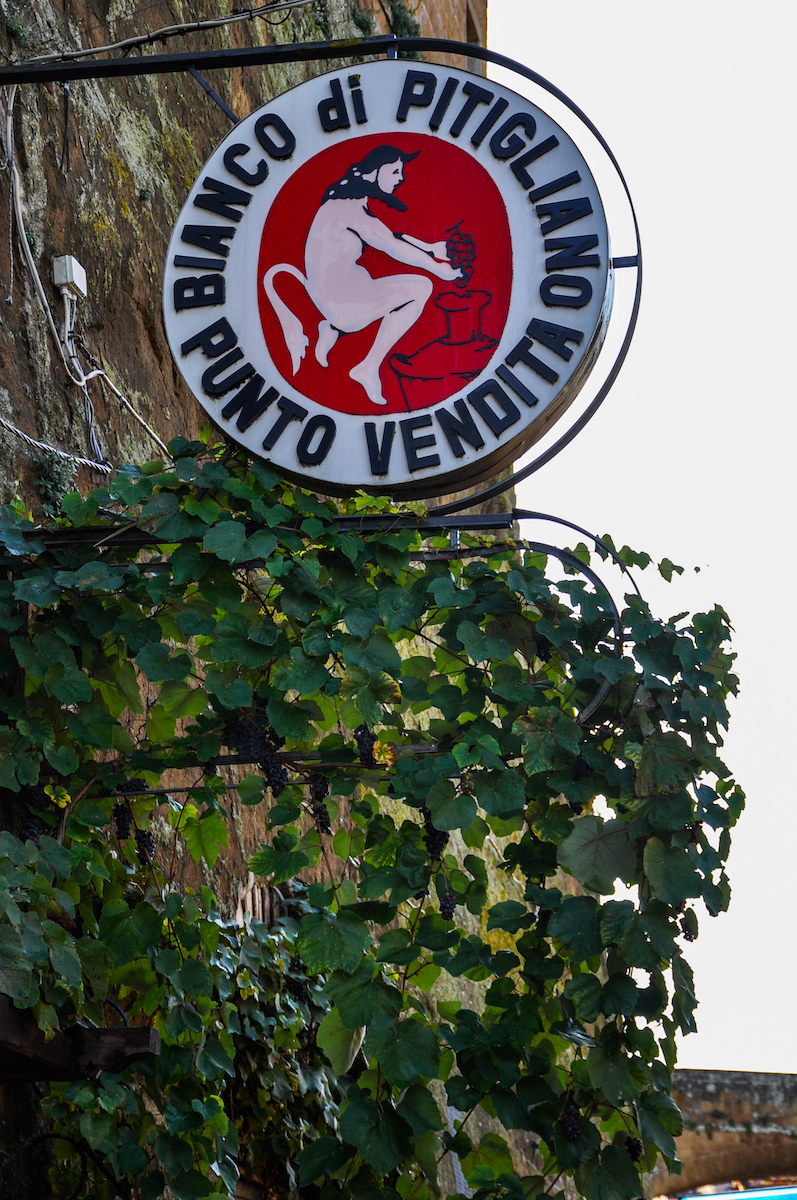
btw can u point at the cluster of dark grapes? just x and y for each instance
(434, 839)
(122, 814)
(274, 771)
(543, 648)
(123, 821)
(32, 829)
(366, 740)
(461, 251)
(580, 767)
(447, 906)
(145, 846)
(634, 1147)
(246, 735)
(36, 797)
(256, 741)
(319, 789)
(687, 931)
(571, 1123)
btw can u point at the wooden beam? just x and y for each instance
(80, 1052)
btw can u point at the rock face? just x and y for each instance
(104, 167)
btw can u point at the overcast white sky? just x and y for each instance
(691, 454)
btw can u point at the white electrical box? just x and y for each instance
(69, 275)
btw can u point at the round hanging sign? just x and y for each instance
(394, 280)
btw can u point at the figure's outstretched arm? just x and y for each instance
(406, 249)
(436, 249)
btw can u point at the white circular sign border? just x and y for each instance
(346, 467)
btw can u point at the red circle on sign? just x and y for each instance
(447, 331)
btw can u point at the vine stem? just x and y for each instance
(172, 863)
(413, 930)
(59, 837)
(446, 1149)
(327, 862)
(463, 1123)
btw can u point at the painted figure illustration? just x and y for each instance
(344, 292)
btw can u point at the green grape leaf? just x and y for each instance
(341, 1045)
(225, 540)
(321, 1157)
(575, 922)
(362, 996)
(405, 1050)
(664, 764)
(672, 876)
(329, 941)
(597, 853)
(662, 1121)
(612, 1177)
(613, 1075)
(450, 809)
(206, 838)
(380, 1137)
(419, 1109)
(158, 665)
(16, 974)
(213, 1060)
(487, 1160)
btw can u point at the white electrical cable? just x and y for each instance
(123, 400)
(100, 373)
(170, 31)
(70, 309)
(106, 468)
(16, 188)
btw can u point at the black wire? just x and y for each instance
(524, 514)
(129, 17)
(568, 559)
(65, 145)
(85, 1151)
(81, 1149)
(119, 1009)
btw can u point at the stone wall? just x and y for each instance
(739, 1126)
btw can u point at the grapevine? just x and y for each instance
(466, 842)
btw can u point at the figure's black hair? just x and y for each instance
(352, 185)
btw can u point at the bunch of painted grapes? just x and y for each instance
(461, 251)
